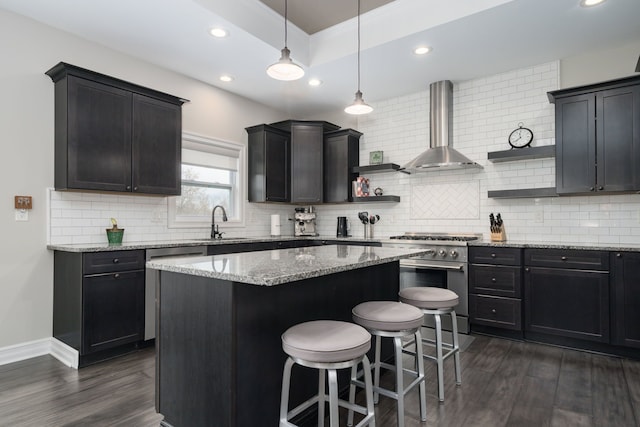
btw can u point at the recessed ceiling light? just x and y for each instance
(219, 32)
(226, 78)
(315, 82)
(422, 50)
(589, 3)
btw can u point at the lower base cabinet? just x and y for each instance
(625, 299)
(98, 302)
(567, 293)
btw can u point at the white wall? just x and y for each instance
(28, 49)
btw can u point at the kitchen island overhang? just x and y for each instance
(220, 318)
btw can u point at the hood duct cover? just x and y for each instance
(440, 155)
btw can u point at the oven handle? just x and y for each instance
(422, 265)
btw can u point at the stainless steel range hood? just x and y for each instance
(441, 154)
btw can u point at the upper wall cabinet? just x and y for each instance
(111, 135)
(269, 166)
(598, 137)
(341, 155)
(307, 139)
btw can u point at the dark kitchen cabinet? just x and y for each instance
(112, 135)
(269, 164)
(625, 299)
(341, 155)
(598, 137)
(495, 289)
(307, 148)
(567, 293)
(98, 302)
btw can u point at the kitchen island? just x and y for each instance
(220, 318)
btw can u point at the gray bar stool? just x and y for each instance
(436, 302)
(326, 345)
(394, 320)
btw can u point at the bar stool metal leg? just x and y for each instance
(420, 369)
(321, 395)
(399, 380)
(284, 398)
(333, 398)
(456, 348)
(439, 359)
(376, 370)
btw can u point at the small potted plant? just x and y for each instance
(114, 234)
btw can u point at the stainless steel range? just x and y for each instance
(445, 266)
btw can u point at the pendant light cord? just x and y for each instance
(358, 45)
(285, 22)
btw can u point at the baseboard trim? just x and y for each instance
(23, 351)
(30, 349)
(65, 354)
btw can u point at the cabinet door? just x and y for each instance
(306, 163)
(277, 169)
(575, 144)
(618, 139)
(570, 303)
(156, 153)
(341, 153)
(98, 149)
(113, 310)
(625, 299)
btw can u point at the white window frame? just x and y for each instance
(193, 141)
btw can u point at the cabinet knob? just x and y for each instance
(619, 255)
(493, 280)
(116, 260)
(592, 189)
(128, 187)
(493, 310)
(564, 258)
(526, 269)
(116, 276)
(135, 188)
(600, 188)
(493, 255)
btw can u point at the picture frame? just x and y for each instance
(375, 157)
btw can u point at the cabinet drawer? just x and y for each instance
(491, 255)
(495, 280)
(106, 262)
(561, 258)
(497, 312)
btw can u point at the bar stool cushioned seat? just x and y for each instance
(429, 297)
(326, 341)
(387, 316)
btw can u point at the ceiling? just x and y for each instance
(469, 38)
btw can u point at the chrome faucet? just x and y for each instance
(215, 233)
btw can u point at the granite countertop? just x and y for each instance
(630, 247)
(274, 267)
(153, 244)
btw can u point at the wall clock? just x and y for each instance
(520, 137)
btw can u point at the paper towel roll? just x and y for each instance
(275, 225)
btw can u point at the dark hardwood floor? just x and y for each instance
(505, 383)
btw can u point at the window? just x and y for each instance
(212, 172)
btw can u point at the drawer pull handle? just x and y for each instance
(493, 310)
(619, 255)
(564, 258)
(116, 276)
(116, 260)
(493, 280)
(493, 255)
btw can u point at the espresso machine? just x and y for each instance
(305, 222)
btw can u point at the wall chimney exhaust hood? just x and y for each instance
(441, 154)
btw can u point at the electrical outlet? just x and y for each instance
(22, 215)
(538, 217)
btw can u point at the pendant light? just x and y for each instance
(285, 69)
(358, 106)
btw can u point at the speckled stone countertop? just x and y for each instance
(154, 244)
(274, 267)
(629, 247)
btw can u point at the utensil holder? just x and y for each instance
(114, 235)
(368, 231)
(499, 236)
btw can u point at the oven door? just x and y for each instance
(448, 275)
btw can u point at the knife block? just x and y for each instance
(499, 236)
